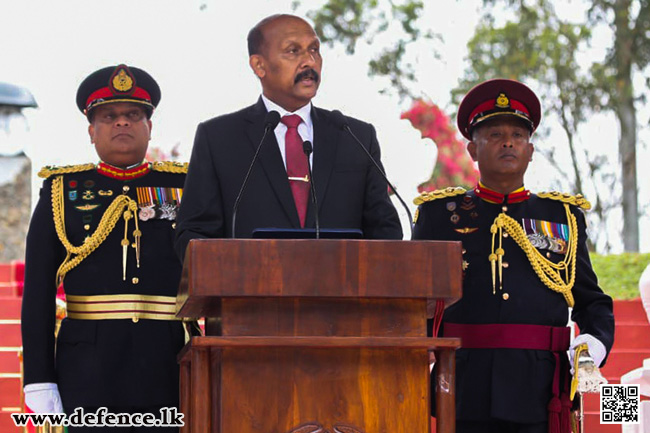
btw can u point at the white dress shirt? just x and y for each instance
(305, 129)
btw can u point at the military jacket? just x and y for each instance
(104, 362)
(511, 384)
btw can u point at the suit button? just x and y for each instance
(505, 264)
(505, 296)
(135, 319)
(135, 280)
(174, 226)
(125, 188)
(504, 208)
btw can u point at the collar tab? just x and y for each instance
(491, 196)
(123, 173)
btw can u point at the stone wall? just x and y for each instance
(15, 206)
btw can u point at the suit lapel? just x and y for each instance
(271, 160)
(326, 140)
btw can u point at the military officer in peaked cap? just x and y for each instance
(525, 264)
(105, 232)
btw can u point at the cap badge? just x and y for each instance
(122, 81)
(502, 101)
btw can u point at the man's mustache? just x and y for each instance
(307, 73)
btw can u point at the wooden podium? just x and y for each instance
(316, 336)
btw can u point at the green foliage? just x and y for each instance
(537, 46)
(527, 40)
(348, 22)
(618, 274)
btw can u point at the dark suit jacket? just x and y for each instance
(350, 191)
(97, 363)
(511, 384)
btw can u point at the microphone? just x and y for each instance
(340, 122)
(307, 148)
(270, 122)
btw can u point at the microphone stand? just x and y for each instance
(270, 122)
(307, 148)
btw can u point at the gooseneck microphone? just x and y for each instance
(270, 122)
(340, 122)
(307, 148)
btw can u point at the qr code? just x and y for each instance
(619, 404)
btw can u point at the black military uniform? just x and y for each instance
(106, 234)
(512, 245)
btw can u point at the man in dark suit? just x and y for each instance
(525, 263)
(285, 55)
(105, 231)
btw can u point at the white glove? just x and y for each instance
(644, 289)
(596, 349)
(43, 398)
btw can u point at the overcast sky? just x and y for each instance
(196, 50)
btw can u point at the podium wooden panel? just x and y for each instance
(307, 336)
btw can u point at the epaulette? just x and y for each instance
(170, 167)
(439, 193)
(576, 200)
(52, 170)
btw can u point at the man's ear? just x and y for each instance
(532, 150)
(471, 149)
(257, 65)
(150, 126)
(91, 133)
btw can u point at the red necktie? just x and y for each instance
(297, 169)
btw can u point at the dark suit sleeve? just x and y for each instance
(44, 253)
(593, 310)
(380, 220)
(201, 212)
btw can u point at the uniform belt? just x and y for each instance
(134, 307)
(510, 336)
(535, 337)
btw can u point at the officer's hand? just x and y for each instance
(596, 349)
(644, 288)
(43, 398)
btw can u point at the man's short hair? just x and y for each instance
(256, 34)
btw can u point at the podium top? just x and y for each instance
(242, 268)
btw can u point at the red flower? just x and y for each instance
(454, 166)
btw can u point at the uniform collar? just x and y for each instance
(133, 172)
(491, 196)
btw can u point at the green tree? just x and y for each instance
(546, 56)
(537, 45)
(350, 22)
(629, 21)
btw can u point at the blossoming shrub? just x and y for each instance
(454, 166)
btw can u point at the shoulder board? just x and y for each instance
(170, 167)
(52, 170)
(576, 200)
(439, 193)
